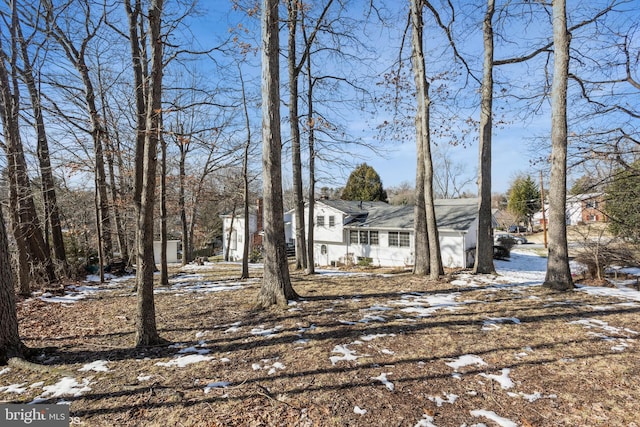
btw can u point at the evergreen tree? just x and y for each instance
(524, 198)
(364, 184)
(622, 203)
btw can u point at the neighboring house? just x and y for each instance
(503, 218)
(233, 231)
(586, 208)
(580, 209)
(379, 234)
(372, 233)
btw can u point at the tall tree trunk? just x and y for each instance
(301, 254)
(111, 152)
(311, 265)
(422, 96)
(558, 275)
(137, 40)
(77, 56)
(10, 344)
(227, 251)
(32, 249)
(276, 284)
(421, 264)
(52, 212)
(146, 332)
(139, 62)
(245, 182)
(182, 176)
(421, 240)
(10, 128)
(116, 199)
(164, 273)
(484, 247)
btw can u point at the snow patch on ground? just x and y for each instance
(260, 330)
(67, 386)
(466, 360)
(183, 361)
(14, 388)
(448, 398)
(492, 322)
(347, 354)
(97, 366)
(383, 379)
(502, 422)
(503, 379)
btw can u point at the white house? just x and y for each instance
(379, 234)
(373, 233)
(581, 208)
(233, 233)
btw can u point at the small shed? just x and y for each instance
(172, 251)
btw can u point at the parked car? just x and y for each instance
(500, 236)
(517, 229)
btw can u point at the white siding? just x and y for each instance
(236, 244)
(339, 250)
(452, 249)
(327, 233)
(172, 251)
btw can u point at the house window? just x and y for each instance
(592, 218)
(323, 249)
(364, 237)
(353, 236)
(373, 237)
(320, 221)
(399, 239)
(592, 204)
(332, 221)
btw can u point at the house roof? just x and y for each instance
(352, 207)
(582, 197)
(451, 214)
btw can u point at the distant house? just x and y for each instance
(233, 230)
(379, 234)
(580, 209)
(373, 233)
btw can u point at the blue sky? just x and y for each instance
(513, 142)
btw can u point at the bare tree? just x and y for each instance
(276, 284)
(295, 65)
(558, 275)
(76, 54)
(484, 247)
(451, 176)
(52, 211)
(164, 270)
(10, 344)
(245, 179)
(146, 332)
(311, 268)
(32, 249)
(423, 147)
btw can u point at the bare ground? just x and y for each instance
(584, 376)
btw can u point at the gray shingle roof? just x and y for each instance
(451, 214)
(352, 207)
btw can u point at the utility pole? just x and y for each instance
(544, 215)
